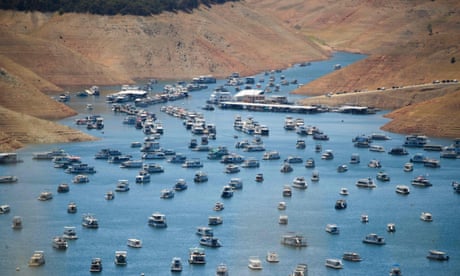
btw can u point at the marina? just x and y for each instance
(248, 214)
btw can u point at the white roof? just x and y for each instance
(249, 92)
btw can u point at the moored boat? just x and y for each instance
(134, 243)
(255, 263)
(334, 263)
(70, 233)
(37, 259)
(60, 242)
(96, 265)
(90, 221)
(402, 189)
(365, 183)
(293, 239)
(176, 264)
(374, 239)
(71, 208)
(8, 179)
(210, 241)
(157, 220)
(351, 256)
(197, 256)
(121, 257)
(437, 255)
(272, 257)
(426, 216)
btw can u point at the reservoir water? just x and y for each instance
(250, 218)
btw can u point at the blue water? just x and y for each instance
(250, 225)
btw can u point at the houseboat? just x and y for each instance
(143, 177)
(134, 243)
(176, 264)
(109, 195)
(383, 176)
(408, 167)
(96, 265)
(70, 233)
(340, 204)
(44, 196)
(334, 263)
(16, 223)
(60, 242)
(314, 176)
(376, 148)
(310, 163)
(167, 193)
(299, 182)
(332, 229)
(121, 257)
(71, 208)
(37, 259)
(192, 163)
(437, 255)
(391, 227)
(402, 189)
(157, 220)
(342, 168)
(200, 176)
(374, 239)
(364, 218)
(272, 257)
(232, 168)
(81, 168)
(327, 155)
(287, 192)
(398, 151)
(63, 188)
(456, 186)
(250, 162)
(286, 168)
(8, 179)
(4, 209)
(271, 155)
(413, 140)
(432, 163)
(89, 221)
(282, 205)
(293, 239)
(259, 177)
(218, 206)
(421, 181)
(344, 191)
(255, 263)
(365, 183)
(425, 216)
(227, 192)
(210, 241)
(153, 168)
(80, 178)
(215, 220)
(122, 186)
(418, 158)
(352, 257)
(283, 219)
(374, 164)
(180, 185)
(197, 256)
(355, 159)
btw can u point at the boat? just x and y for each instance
(300, 270)
(418, 158)
(204, 231)
(143, 177)
(374, 239)
(408, 167)
(70, 233)
(210, 241)
(81, 168)
(8, 179)
(197, 256)
(232, 159)
(134, 243)
(432, 163)
(327, 155)
(49, 155)
(283, 219)
(9, 158)
(236, 183)
(437, 255)
(282, 205)
(421, 181)
(351, 257)
(250, 162)
(37, 259)
(318, 148)
(293, 159)
(96, 265)
(332, 229)
(334, 263)
(232, 168)
(215, 220)
(259, 177)
(376, 148)
(364, 218)
(379, 136)
(153, 168)
(167, 193)
(157, 220)
(314, 176)
(121, 257)
(402, 189)
(272, 257)
(398, 151)
(300, 144)
(178, 158)
(122, 186)
(355, 159)
(192, 163)
(222, 270)
(425, 216)
(16, 223)
(110, 195)
(343, 191)
(180, 185)
(340, 204)
(342, 168)
(383, 176)
(44, 196)
(63, 188)
(71, 208)
(415, 141)
(293, 239)
(310, 163)
(255, 263)
(176, 264)
(80, 178)
(227, 192)
(456, 186)
(271, 155)
(60, 242)
(391, 227)
(4, 209)
(365, 183)
(151, 155)
(395, 270)
(299, 182)
(287, 192)
(374, 164)
(286, 167)
(132, 164)
(89, 221)
(218, 206)
(200, 176)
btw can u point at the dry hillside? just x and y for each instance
(408, 42)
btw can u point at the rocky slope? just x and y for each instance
(408, 42)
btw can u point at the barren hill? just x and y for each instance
(408, 42)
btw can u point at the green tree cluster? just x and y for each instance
(107, 7)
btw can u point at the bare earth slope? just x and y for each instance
(408, 42)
